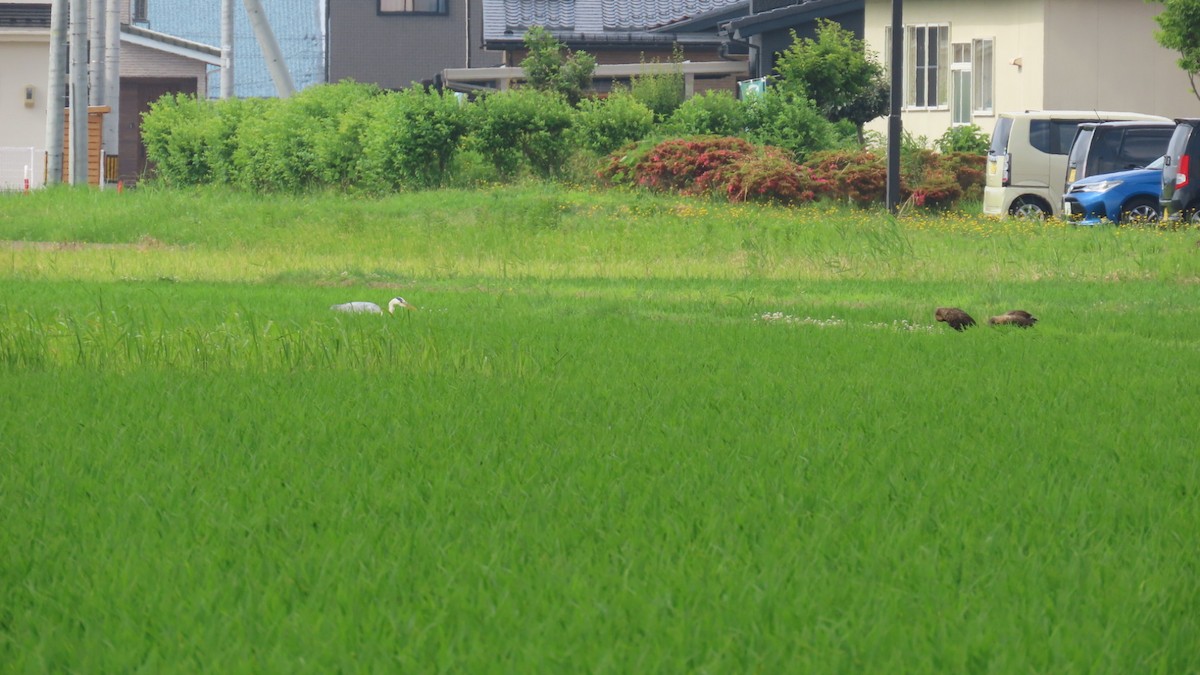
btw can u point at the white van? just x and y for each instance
(1027, 162)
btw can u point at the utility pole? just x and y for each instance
(227, 90)
(895, 128)
(79, 95)
(112, 79)
(56, 92)
(96, 52)
(270, 49)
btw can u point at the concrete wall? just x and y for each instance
(395, 50)
(1109, 60)
(1017, 31)
(1075, 54)
(26, 61)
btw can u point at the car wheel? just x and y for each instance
(1143, 210)
(1029, 208)
(1194, 219)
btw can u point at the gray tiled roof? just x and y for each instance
(633, 15)
(590, 19)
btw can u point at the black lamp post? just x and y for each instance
(895, 129)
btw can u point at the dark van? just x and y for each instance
(1115, 146)
(1181, 172)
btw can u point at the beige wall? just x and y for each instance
(1128, 69)
(1075, 54)
(1015, 27)
(26, 62)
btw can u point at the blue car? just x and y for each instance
(1121, 197)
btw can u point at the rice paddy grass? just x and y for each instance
(622, 433)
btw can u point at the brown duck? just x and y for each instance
(1016, 317)
(954, 316)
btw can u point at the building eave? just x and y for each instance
(787, 17)
(196, 51)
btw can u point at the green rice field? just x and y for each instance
(621, 433)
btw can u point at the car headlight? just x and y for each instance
(1102, 186)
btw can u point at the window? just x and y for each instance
(413, 6)
(1053, 137)
(981, 68)
(960, 81)
(926, 52)
(138, 10)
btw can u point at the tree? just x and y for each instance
(549, 66)
(1179, 29)
(837, 73)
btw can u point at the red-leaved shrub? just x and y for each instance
(767, 176)
(678, 164)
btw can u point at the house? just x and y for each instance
(768, 30)
(298, 27)
(968, 60)
(152, 64)
(394, 43)
(626, 37)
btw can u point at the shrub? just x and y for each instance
(221, 143)
(937, 188)
(301, 142)
(176, 132)
(788, 121)
(864, 184)
(522, 127)
(769, 175)
(548, 68)
(968, 170)
(679, 164)
(660, 92)
(409, 138)
(714, 112)
(967, 138)
(603, 125)
(621, 166)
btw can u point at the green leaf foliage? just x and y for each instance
(176, 132)
(967, 138)
(549, 66)
(662, 92)
(522, 128)
(715, 112)
(303, 142)
(790, 121)
(842, 78)
(1179, 29)
(603, 125)
(409, 138)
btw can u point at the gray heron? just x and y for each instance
(370, 307)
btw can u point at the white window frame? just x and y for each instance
(940, 62)
(983, 77)
(391, 7)
(960, 68)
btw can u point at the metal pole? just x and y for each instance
(270, 49)
(895, 128)
(79, 86)
(56, 92)
(227, 90)
(96, 52)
